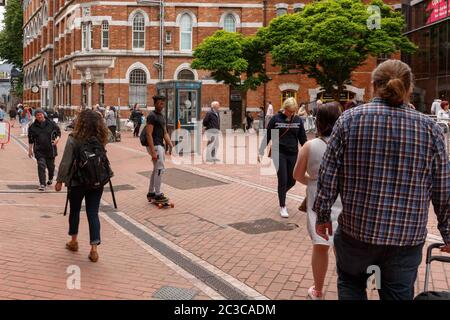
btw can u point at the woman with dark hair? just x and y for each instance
(306, 172)
(89, 124)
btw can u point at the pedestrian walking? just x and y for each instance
(43, 137)
(290, 133)
(211, 122)
(12, 116)
(110, 118)
(306, 172)
(249, 119)
(269, 113)
(2, 118)
(25, 119)
(90, 132)
(436, 107)
(261, 119)
(386, 161)
(156, 134)
(444, 113)
(136, 117)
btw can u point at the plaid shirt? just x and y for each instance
(386, 163)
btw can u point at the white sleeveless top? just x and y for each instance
(317, 149)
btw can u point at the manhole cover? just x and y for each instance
(184, 180)
(174, 293)
(263, 226)
(46, 216)
(22, 186)
(121, 187)
(183, 224)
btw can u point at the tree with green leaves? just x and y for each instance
(233, 59)
(330, 39)
(11, 39)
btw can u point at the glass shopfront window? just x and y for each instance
(430, 64)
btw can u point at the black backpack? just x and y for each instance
(91, 167)
(143, 137)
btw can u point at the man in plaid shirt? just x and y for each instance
(386, 161)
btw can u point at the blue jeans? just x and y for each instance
(92, 199)
(398, 268)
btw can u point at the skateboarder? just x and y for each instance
(156, 136)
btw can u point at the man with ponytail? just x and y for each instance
(386, 161)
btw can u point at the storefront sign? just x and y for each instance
(437, 10)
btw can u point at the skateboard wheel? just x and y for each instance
(172, 205)
(160, 205)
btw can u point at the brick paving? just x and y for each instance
(276, 264)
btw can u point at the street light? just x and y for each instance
(160, 3)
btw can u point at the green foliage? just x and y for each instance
(329, 39)
(11, 37)
(232, 58)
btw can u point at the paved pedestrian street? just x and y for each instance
(224, 238)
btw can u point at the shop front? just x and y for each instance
(428, 26)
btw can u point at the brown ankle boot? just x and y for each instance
(72, 246)
(93, 256)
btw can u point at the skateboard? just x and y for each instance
(161, 204)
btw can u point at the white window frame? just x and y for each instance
(184, 32)
(105, 31)
(141, 16)
(131, 93)
(227, 16)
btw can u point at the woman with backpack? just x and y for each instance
(89, 127)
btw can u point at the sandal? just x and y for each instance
(72, 246)
(93, 256)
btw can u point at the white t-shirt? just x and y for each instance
(436, 107)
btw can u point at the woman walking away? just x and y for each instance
(306, 172)
(89, 126)
(290, 133)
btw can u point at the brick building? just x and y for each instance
(80, 53)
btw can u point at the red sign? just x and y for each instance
(437, 10)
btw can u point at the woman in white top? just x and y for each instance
(306, 172)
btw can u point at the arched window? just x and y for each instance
(288, 94)
(86, 36)
(39, 76)
(69, 89)
(138, 31)
(105, 34)
(186, 33)
(186, 74)
(44, 73)
(138, 87)
(229, 23)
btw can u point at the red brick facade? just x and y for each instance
(69, 74)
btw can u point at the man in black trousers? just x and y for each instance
(212, 124)
(43, 136)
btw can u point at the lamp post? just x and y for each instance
(160, 3)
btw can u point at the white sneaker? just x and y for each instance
(283, 212)
(314, 295)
